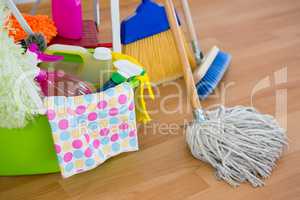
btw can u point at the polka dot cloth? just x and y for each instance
(87, 130)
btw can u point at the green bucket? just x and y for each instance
(29, 150)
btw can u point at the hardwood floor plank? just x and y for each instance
(263, 37)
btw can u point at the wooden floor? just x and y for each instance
(263, 37)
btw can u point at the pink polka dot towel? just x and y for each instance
(89, 129)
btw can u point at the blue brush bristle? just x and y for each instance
(214, 75)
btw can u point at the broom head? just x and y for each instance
(146, 36)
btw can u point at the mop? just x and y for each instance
(240, 143)
(20, 98)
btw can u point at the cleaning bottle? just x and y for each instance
(126, 70)
(93, 67)
(67, 16)
(101, 59)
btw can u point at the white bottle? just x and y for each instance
(104, 56)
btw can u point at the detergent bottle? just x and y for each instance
(67, 16)
(93, 66)
(100, 59)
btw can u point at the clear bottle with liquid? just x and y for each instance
(100, 59)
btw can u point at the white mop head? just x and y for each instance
(19, 95)
(240, 143)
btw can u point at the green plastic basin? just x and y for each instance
(29, 150)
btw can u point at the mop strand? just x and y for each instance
(240, 143)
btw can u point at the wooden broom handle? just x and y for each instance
(186, 67)
(189, 20)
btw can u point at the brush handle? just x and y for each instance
(97, 13)
(116, 28)
(192, 31)
(12, 6)
(186, 67)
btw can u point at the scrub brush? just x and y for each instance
(209, 74)
(211, 68)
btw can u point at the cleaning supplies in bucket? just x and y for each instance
(105, 122)
(95, 68)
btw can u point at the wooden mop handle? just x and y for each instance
(186, 67)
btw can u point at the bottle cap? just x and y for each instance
(102, 53)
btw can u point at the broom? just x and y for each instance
(240, 143)
(146, 36)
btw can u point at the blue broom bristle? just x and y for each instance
(214, 75)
